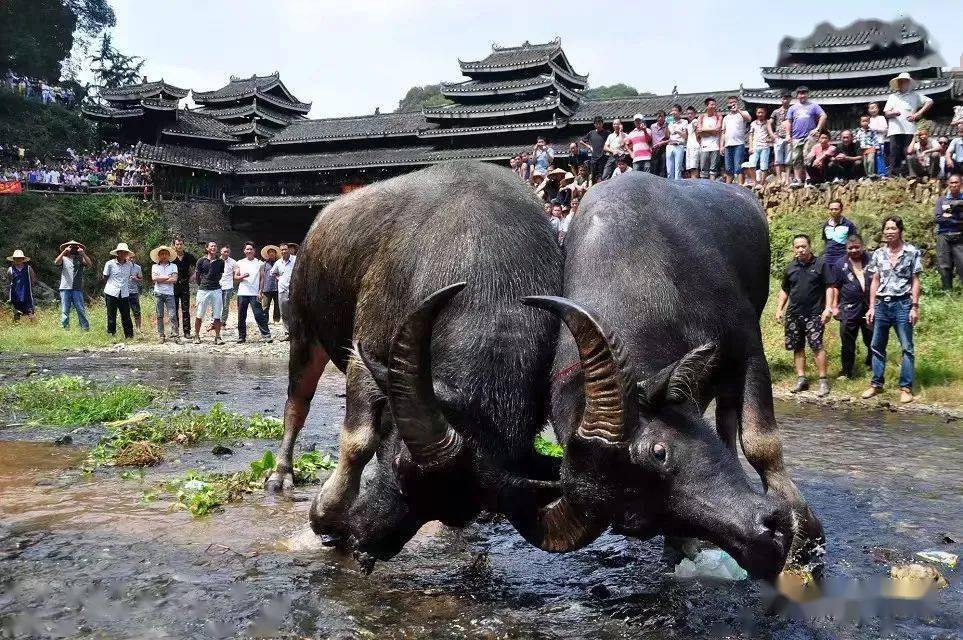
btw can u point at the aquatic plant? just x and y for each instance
(65, 400)
(548, 448)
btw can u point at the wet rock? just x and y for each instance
(914, 581)
(64, 439)
(221, 450)
(884, 555)
(600, 591)
(218, 392)
(948, 539)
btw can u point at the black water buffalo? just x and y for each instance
(665, 282)
(376, 270)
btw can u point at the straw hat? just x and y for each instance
(568, 178)
(70, 242)
(268, 247)
(155, 253)
(894, 83)
(556, 172)
(17, 253)
(121, 246)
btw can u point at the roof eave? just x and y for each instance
(846, 75)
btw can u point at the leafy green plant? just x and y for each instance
(308, 465)
(66, 401)
(548, 448)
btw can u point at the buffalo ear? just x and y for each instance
(679, 381)
(378, 371)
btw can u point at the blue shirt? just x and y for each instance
(953, 224)
(835, 234)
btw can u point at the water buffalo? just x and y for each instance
(665, 282)
(376, 270)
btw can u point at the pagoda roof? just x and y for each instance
(159, 104)
(862, 35)
(143, 90)
(253, 108)
(648, 106)
(497, 109)
(279, 201)
(525, 56)
(496, 87)
(383, 125)
(255, 86)
(558, 123)
(105, 113)
(248, 128)
(191, 124)
(845, 95)
(849, 69)
(189, 157)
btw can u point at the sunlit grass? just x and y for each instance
(72, 400)
(45, 335)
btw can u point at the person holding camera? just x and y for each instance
(72, 260)
(949, 232)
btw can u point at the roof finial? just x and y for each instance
(675, 89)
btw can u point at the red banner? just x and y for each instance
(9, 187)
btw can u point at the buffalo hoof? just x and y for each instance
(279, 482)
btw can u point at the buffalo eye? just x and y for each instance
(660, 452)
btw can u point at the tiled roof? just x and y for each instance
(255, 86)
(625, 108)
(143, 90)
(279, 201)
(195, 125)
(241, 112)
(494, 128)
(845, 95)
(189, 157)
(373, 126)
(255, 128)
(476, 87)
(106, 113)
(885, 64)
(159, 104)
(859, 36)
(511, 57)
(492, 109)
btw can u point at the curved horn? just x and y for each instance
(610, 390)
(420, 423)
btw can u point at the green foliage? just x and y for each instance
(548, 448)
(113, 69)
(418, 97)
(608, 92)
(45, 131)
(308, 465)
(73, 400)
(35, 36)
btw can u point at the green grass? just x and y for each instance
(548, 448)
(938, 342)
(66, 401)
(45, 335)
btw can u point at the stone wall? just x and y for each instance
(200, 222)
(883, 194)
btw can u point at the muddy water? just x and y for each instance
(84, 556)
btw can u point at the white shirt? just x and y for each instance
(880, 126)
(614, 141)
(250, 286)
(283, 271)
(118, 275)
(159, 271)
(905, 103)
(227, 280)
(692, 141)
(734, 129)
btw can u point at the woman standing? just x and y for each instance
(878, 124)
(20, 292)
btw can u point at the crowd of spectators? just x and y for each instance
(39, 90)
(791, 145)
(108, 169)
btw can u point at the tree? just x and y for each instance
(113, 69)
(420, 97)
(608, 92)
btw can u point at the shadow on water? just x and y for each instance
(84, 556)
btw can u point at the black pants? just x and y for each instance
(610, 162)
(123, 305)
(269, 298)
(259, 316)
(658, 162)
(182, 307)
(948, 255)
(849, 329)
(845, 170)
(897, 153)
(598, 168)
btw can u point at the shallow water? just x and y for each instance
(84, 556)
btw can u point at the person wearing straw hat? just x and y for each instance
(72, 260)
(118, 283)
(20, 290)
(164, 273)
(269, 282)
(903, 109)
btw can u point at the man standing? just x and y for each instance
(949, 232)
(675, 151)
(118, 284)
(640, 142)
(835, 232)
(164, 274)
(227, 283)
(848, 161)
(614, 148)
(542, 155)
(208, 273)
(804, 121)
(903, 109)
(805, 286)
(954, 153)
(734, 127)
(708, 131)
(850, 301)
(283, 269)
(185, 263)
(247, 274)
(72, 259)
(780, 147)
(269, 282)
(894, 298)
(594, 141)
(660, 139)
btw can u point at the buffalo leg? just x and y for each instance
(763, 450)
(359, 439)
(305, 366)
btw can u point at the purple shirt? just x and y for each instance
(658, 132)
(803, 118)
